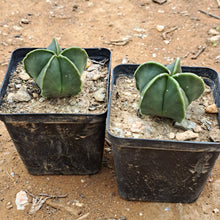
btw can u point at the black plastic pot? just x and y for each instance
(57, 143)
(162, 170)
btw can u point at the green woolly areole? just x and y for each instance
(57, 72)
(166, 91)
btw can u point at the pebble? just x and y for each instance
(171, 135)
(118, 131)
(24, 76)
(215, 38)
(166, 41)
(78, 204)
(25, 21)
(185, 125)
(187, 135)
(41, 99)
(197, 129)
(213, 32)
(211, 109)
(99, 95)
(17, 28)
(21, 200)
(35, 95)
(216, 210)
(137, 127)
(139, 29)
(19, 96)
(215, 134)
(160, 28)
(9, 205)
(2, 161)
(18, 86)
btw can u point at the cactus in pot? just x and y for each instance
(165, 90)
(57, 72)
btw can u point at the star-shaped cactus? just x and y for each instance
(57, 72)
(165, 90)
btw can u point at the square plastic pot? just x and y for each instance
(57, 143)
(163, 170)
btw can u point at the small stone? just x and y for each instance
(24, 76)
(88, 64)
(21, 96)
(211, 109)
(11, 85)
(160, 28)
(215, 38)
(41, 99)
(25, 21)
(124, 60)
(139, 30)
(99, 95)
(215, 134)
(197, 129)
(187, 135)
(96, 76)
(2, 161)
(185, 125)
(18, 86)
(10, 97)
(118, 131)
(216, 210)
(171, 135)
(78, 204)
(166, 41)
(35, 95)
(9, 205)
(137, 127)
(213, 32)
(17, 28)
(21, 200)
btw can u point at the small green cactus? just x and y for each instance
(166, 91)
(57, 72)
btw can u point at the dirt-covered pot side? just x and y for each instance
(162, 170)
(57, 143)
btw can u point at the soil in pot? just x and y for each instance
(23, 94)
(125, 121)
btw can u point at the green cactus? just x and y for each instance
(166, 91)
(57, 72)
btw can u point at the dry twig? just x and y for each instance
(164, 34)
(201, 49)
(102, 62)
(119, 42)
(209, 14)
(60, 206)
(39, 202)
(83, 216)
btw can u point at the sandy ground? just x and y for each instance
(129, 29)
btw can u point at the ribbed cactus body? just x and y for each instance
(57, 72)
(166, 91)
